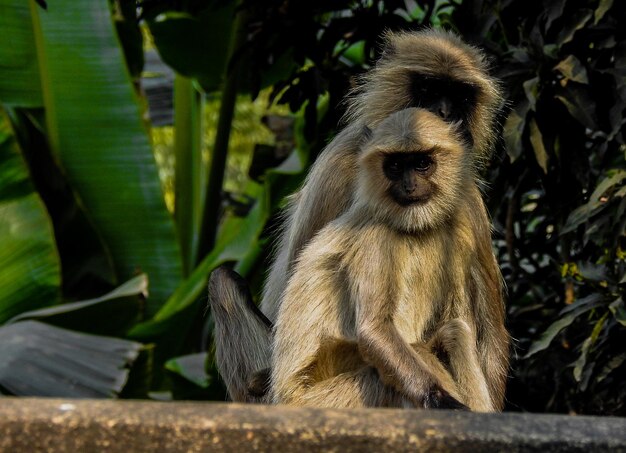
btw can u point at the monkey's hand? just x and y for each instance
(438, 398)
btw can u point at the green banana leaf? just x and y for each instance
(191, 381)
(196, 47)
(114, 312)
(238, 238)
(30, 274)
(190, 173)
(19, 84)
(191, 367)
(94, 126)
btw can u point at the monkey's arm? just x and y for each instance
(405, 368)
(326, 194)
(412, 371)
(455, 345)
(492, 339)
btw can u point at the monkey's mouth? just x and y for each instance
(405, 200)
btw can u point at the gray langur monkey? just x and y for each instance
(390, 303)
(430, 69)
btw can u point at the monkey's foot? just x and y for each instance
(259, 384)
(438, 398)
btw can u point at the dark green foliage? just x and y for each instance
(558, 196)
(556, 186)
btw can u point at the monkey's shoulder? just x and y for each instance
(339, 241)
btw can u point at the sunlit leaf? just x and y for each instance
(573, 69)
(95, 128)
(189, 168)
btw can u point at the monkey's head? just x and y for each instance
(412, 170)
(434, 70)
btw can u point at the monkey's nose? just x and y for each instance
(444, 108)
(443, 112)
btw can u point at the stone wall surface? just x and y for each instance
(31, 425)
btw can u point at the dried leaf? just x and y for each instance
(572, 69)
(536, 140)
(40, 360)
(601, 10)
(514, 128)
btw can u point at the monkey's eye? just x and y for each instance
(422, 163)
(393, 167)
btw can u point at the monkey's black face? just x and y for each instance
(409, 176)
(452, 100)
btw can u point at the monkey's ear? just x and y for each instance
(388, 47)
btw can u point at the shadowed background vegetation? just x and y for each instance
(144, 143)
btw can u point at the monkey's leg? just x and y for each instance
(340, 378)
(455, 341)
(353, 389)
(362, 386)
(242, 334)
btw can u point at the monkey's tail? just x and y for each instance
(242, 335)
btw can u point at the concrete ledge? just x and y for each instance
(28, 425)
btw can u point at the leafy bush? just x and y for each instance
(558, 196)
